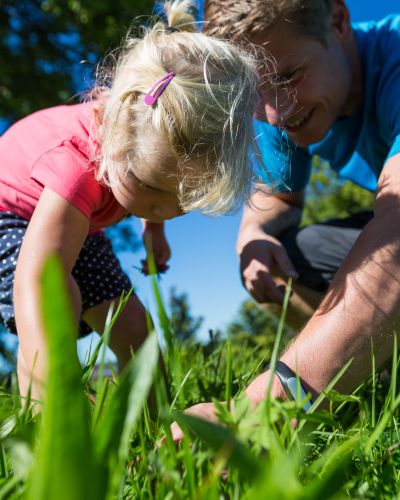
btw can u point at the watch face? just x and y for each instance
(297, 392)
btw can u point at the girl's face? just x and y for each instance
(149, 193)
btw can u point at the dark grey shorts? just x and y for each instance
(318, 250)
(97, 270)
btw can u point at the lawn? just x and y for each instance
(100, 439)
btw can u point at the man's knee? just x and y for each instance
(317, 252)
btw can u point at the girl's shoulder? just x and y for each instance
(47, 129)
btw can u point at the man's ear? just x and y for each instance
(340, 25)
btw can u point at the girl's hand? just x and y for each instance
(156, 242)
(205, 411)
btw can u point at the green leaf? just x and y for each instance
(223, 441)
(113, 433)
(334, 467)
(64, 461)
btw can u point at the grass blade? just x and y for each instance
(114, 430)
(222, 440)
(64, 461)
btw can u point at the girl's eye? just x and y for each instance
(142, 184)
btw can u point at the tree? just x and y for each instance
(49, 48)
(329, 197)
(183, 324)
(254, 319)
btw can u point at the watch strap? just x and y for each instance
(289, 381)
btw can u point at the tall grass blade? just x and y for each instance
(278, 339)
(228, 373)
(334, 466)
(373, 392)
(393, 382)
(64, 461)
(382, 424)
(114, 429)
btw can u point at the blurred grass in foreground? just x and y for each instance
(105, 447)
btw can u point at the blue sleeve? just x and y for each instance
(388, 100)
(285, 167)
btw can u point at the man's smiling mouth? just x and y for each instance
(297, 122)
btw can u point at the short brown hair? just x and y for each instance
(243, 20)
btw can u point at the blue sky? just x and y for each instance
(204, 262)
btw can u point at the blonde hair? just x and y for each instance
(243, 20)
(204, 116)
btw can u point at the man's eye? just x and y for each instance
(286, 78)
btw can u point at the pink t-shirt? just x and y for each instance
(51, 148)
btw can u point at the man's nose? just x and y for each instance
(274, 106)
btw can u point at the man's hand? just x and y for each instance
(261, 254)
(255, 393)
(156, 242)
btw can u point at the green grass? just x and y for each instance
(80, 449)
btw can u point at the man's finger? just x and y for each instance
(284, 263)
(266, 290)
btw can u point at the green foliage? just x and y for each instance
(253, 319)
(75, 461)
(64, 457)
(328, 197)
(110, 447)
(183, 324)
(43, 44)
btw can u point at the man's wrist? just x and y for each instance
(257, 390)
(247, 233)
(292, 384)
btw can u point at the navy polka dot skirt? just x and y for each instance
(97, 270)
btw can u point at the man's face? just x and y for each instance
(312, 85)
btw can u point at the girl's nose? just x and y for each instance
(164, 212)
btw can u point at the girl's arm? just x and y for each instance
(155, 241)
(56, 227)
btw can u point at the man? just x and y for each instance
(334, 92)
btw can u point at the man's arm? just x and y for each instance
(362, 303)
(273, 213)
(259, 250)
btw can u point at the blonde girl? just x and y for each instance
(168, 132)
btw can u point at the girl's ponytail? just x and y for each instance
(180, 16)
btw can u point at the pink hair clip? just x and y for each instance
(158, 88)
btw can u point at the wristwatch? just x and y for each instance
(289, 381)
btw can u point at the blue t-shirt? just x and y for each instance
(356, 146)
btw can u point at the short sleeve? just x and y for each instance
(66, 171)
(285, 167)
(388, 103)
(395, 149)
